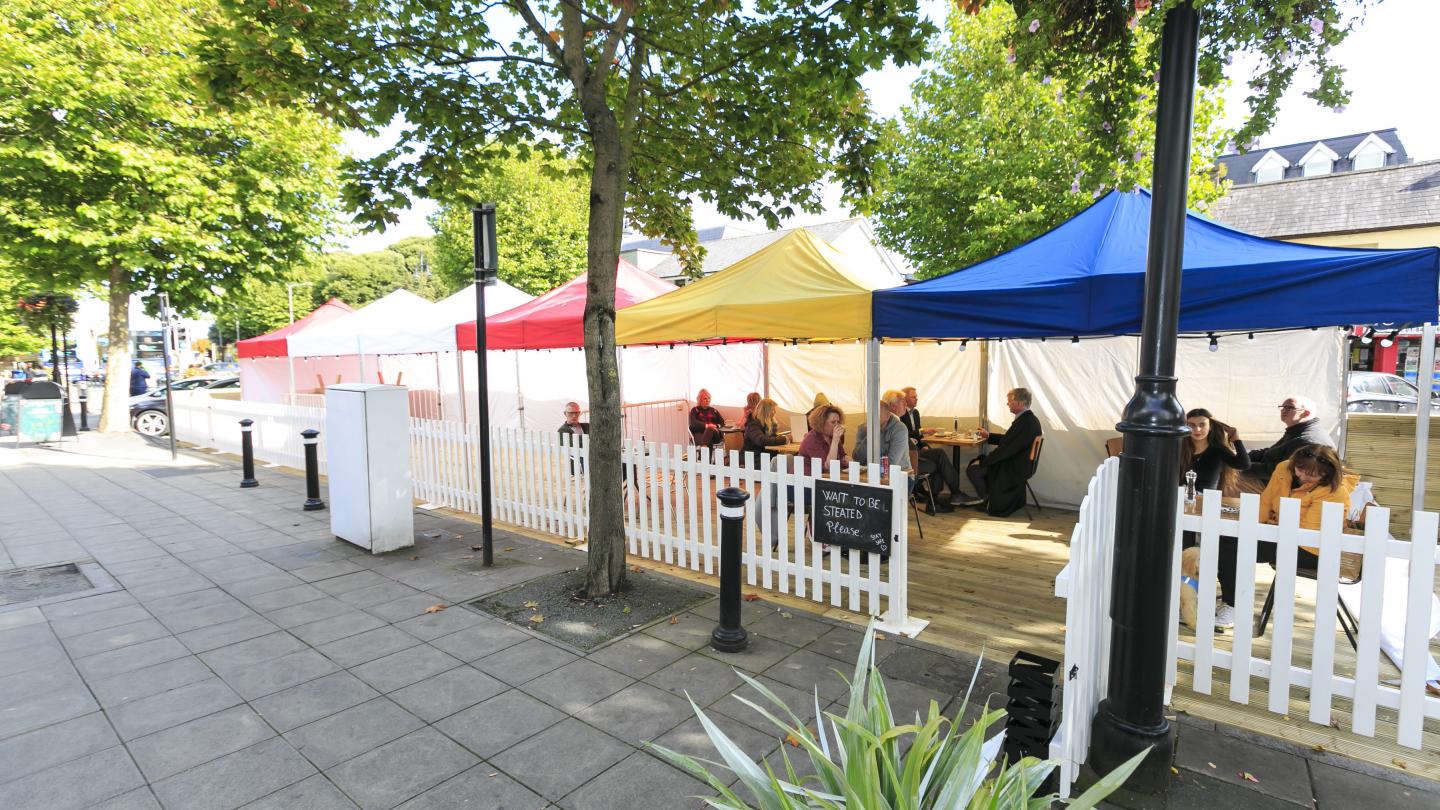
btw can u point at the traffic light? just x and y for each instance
(182, 337)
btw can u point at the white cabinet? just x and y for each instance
(367, 440)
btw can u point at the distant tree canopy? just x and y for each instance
(360, 278)
(989, 155)
(541, 210)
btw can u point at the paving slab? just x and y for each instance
(500, 722)
(442, 695)
(166, 753)
(525, 661)
(396, 771)
(75, 784)
(314, 793)
(349, 733)
(157, 712)
(403, 668)
(586, 752)
(577, 685)
(639, 780)
(479, 788)
(299, 705)
(53, 745)
(151, 680)
(480, 640)
(235, 779)
(639, 712)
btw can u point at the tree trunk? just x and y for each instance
(605, 571)
(115, 407)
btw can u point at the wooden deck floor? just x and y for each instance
(987, 584)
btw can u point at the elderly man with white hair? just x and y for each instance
(1302, 427)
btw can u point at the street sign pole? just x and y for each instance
(486, 273)
(167, 330)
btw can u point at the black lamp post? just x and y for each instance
(486, 273)
(1132, 716)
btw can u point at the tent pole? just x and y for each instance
(460, 382)
(1131, 718)
(872, 402)
(1344, 391)
(519, 392)
(290, 361)
(1425, 381)
(984, 384)
(765, 369)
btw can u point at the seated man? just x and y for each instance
(705, 421)
(1302, 427)
(894, 440)
(999, 478)
(934, 461)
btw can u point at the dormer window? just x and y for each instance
(1319, 160)
(1270, 168)
(1370, 153)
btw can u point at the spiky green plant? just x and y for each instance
(861, 764)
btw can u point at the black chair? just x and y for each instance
(1035, 448)
(922, 483)
(1350, 573)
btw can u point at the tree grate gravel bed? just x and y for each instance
(549, 605)
(27, 585)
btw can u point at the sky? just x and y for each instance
(1391, 62)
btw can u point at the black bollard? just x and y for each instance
(84, 412)
(728, 635)
(312, 470)
(247, 455)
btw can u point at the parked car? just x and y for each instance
(149, 416)
(1377, 392)
(225, 368)
(158, 392)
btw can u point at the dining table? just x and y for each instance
(956, 440)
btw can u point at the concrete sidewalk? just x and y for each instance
(234, 654)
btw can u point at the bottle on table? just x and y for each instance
(1189, 489)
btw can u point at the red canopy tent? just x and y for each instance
(276, 344)
(556, 319)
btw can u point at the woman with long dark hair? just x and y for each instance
(1213, 452)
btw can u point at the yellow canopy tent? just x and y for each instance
(797, 288)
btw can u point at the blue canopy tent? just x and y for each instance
(1087, 277)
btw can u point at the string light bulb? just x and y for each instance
(1075, 339)
(1389, 340)
(1214, 343)
(962, 344)
(1368, 336)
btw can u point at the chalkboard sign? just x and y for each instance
(852, 516)
(40, 420)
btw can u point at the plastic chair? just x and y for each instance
(1351, 569)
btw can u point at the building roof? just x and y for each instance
(721, 253)
(705, 235)
(1393, 197)
(1239, 168)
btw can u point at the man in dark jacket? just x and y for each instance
(1302, 427)
(574, 426)
(999, 477)
(934, 461)
(139, 380)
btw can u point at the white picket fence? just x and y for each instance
(1362, 686)
(215, 423)
(1086, 583)
(542, 482)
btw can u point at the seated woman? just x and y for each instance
(705, 421)
(762, 431)
(1215, 454)
(826, 439)
(1315, 476)
(751, 400)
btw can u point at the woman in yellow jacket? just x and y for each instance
(1314, 476)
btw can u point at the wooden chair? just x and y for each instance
(1114, 446)
(1035, 448)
